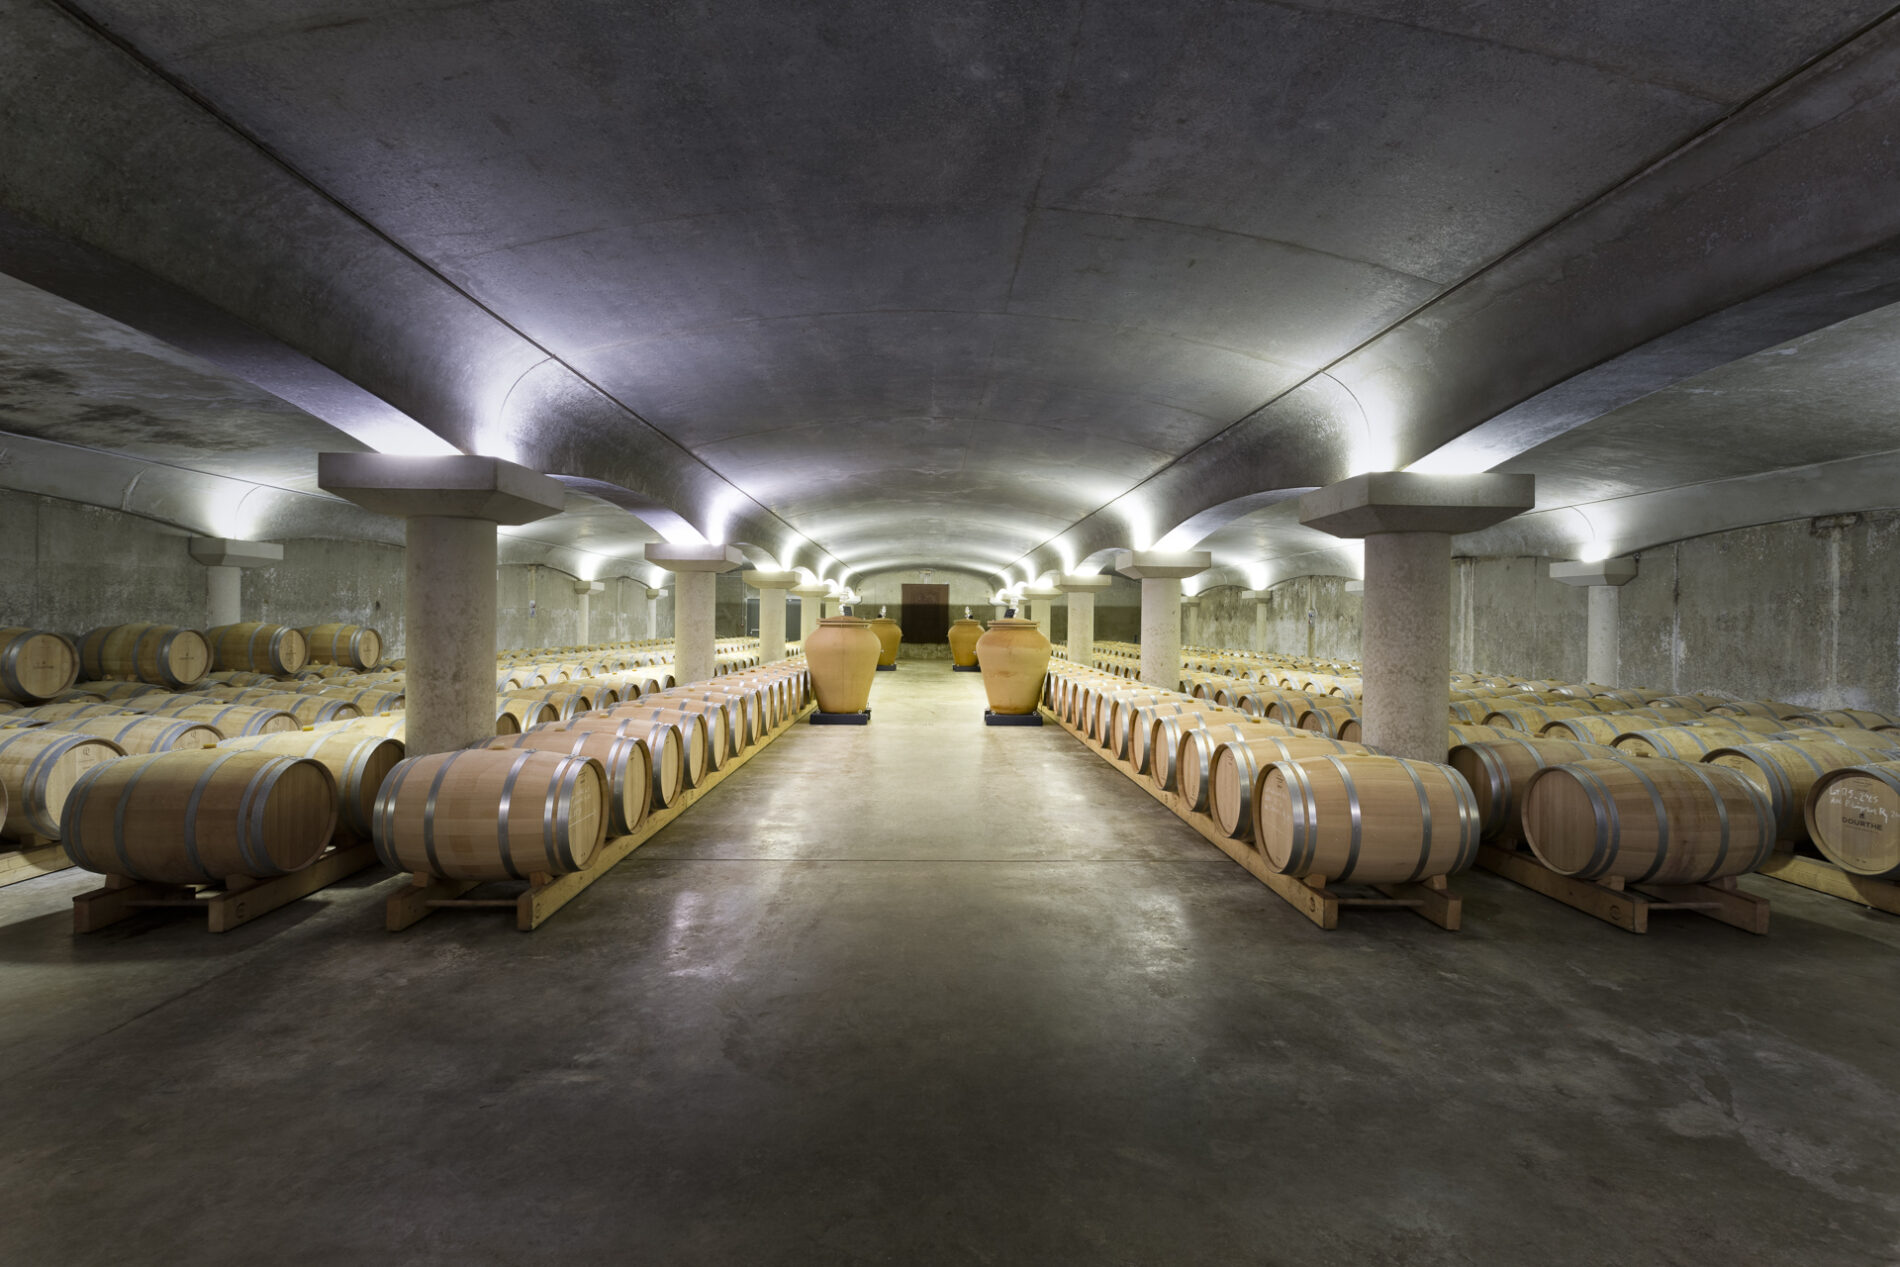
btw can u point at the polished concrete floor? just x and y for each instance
(927, 992)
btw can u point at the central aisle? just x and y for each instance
(924, 992)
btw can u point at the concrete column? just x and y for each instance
(695, 601)
(1406, 643)
(772, 587)
(1602, 654)
(224, 589)
(1261, 608)
(1407, 522)
(1081, 591)
(225, 561)
(1190, 620)
(811, 606)
(587, 590)
(653, 614)
(452, 505)
(449, 617)
(1160, 576)
(999, 609)
(1041, 596)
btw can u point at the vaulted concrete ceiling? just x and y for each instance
(982, 283)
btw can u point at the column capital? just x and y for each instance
(811, 591)
(693, 558)
(589, 587)
(222, 552)
(1601, 572)
(458, 487)
(1355, 587)
(1069, 583)
(659, 593)
(1400, 501)
(1042, 591)
(1190, 600)
(771, 580)
(1162, 565)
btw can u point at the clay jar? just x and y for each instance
(841, 656)
(1014, 656)
(888, 636)
(963, 636)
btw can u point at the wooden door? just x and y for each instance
(926, 616)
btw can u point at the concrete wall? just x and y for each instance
(1509, 611)
(321, 581)
(1117, 612)
(886, 589)
(71, 567)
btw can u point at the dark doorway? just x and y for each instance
(927, 613)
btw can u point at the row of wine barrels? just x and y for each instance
(1645, 821)
(670, 747)
(159, 654)
(492, 814)
(118, 690)
(1499, 769)
(39, 770)
(234, 719)
(199, 817)
(1683, 743)
(1364, 819)
(696, 731)
(352, 646)
(255, 647)
(309, 710)
(36, 665)
(1873, 742)
(625, 759)
(137, 733)
(1785, 772)
(1193, 765)
(357, 763)
(1237, 766)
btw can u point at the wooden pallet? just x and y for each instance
(543, 894)
(238, 901)
(1628, 906)
(1824, 877)
(1309, 895)
(29, 858)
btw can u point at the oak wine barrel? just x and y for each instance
(1364, 819)
(1657, 822)
(526, 712)
(492, 814)
(354, 646)
(255, 647)
(195, 817)
(1853, 818)
(36, 665)
(357, 763)
(39, 769)
(159, 654)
